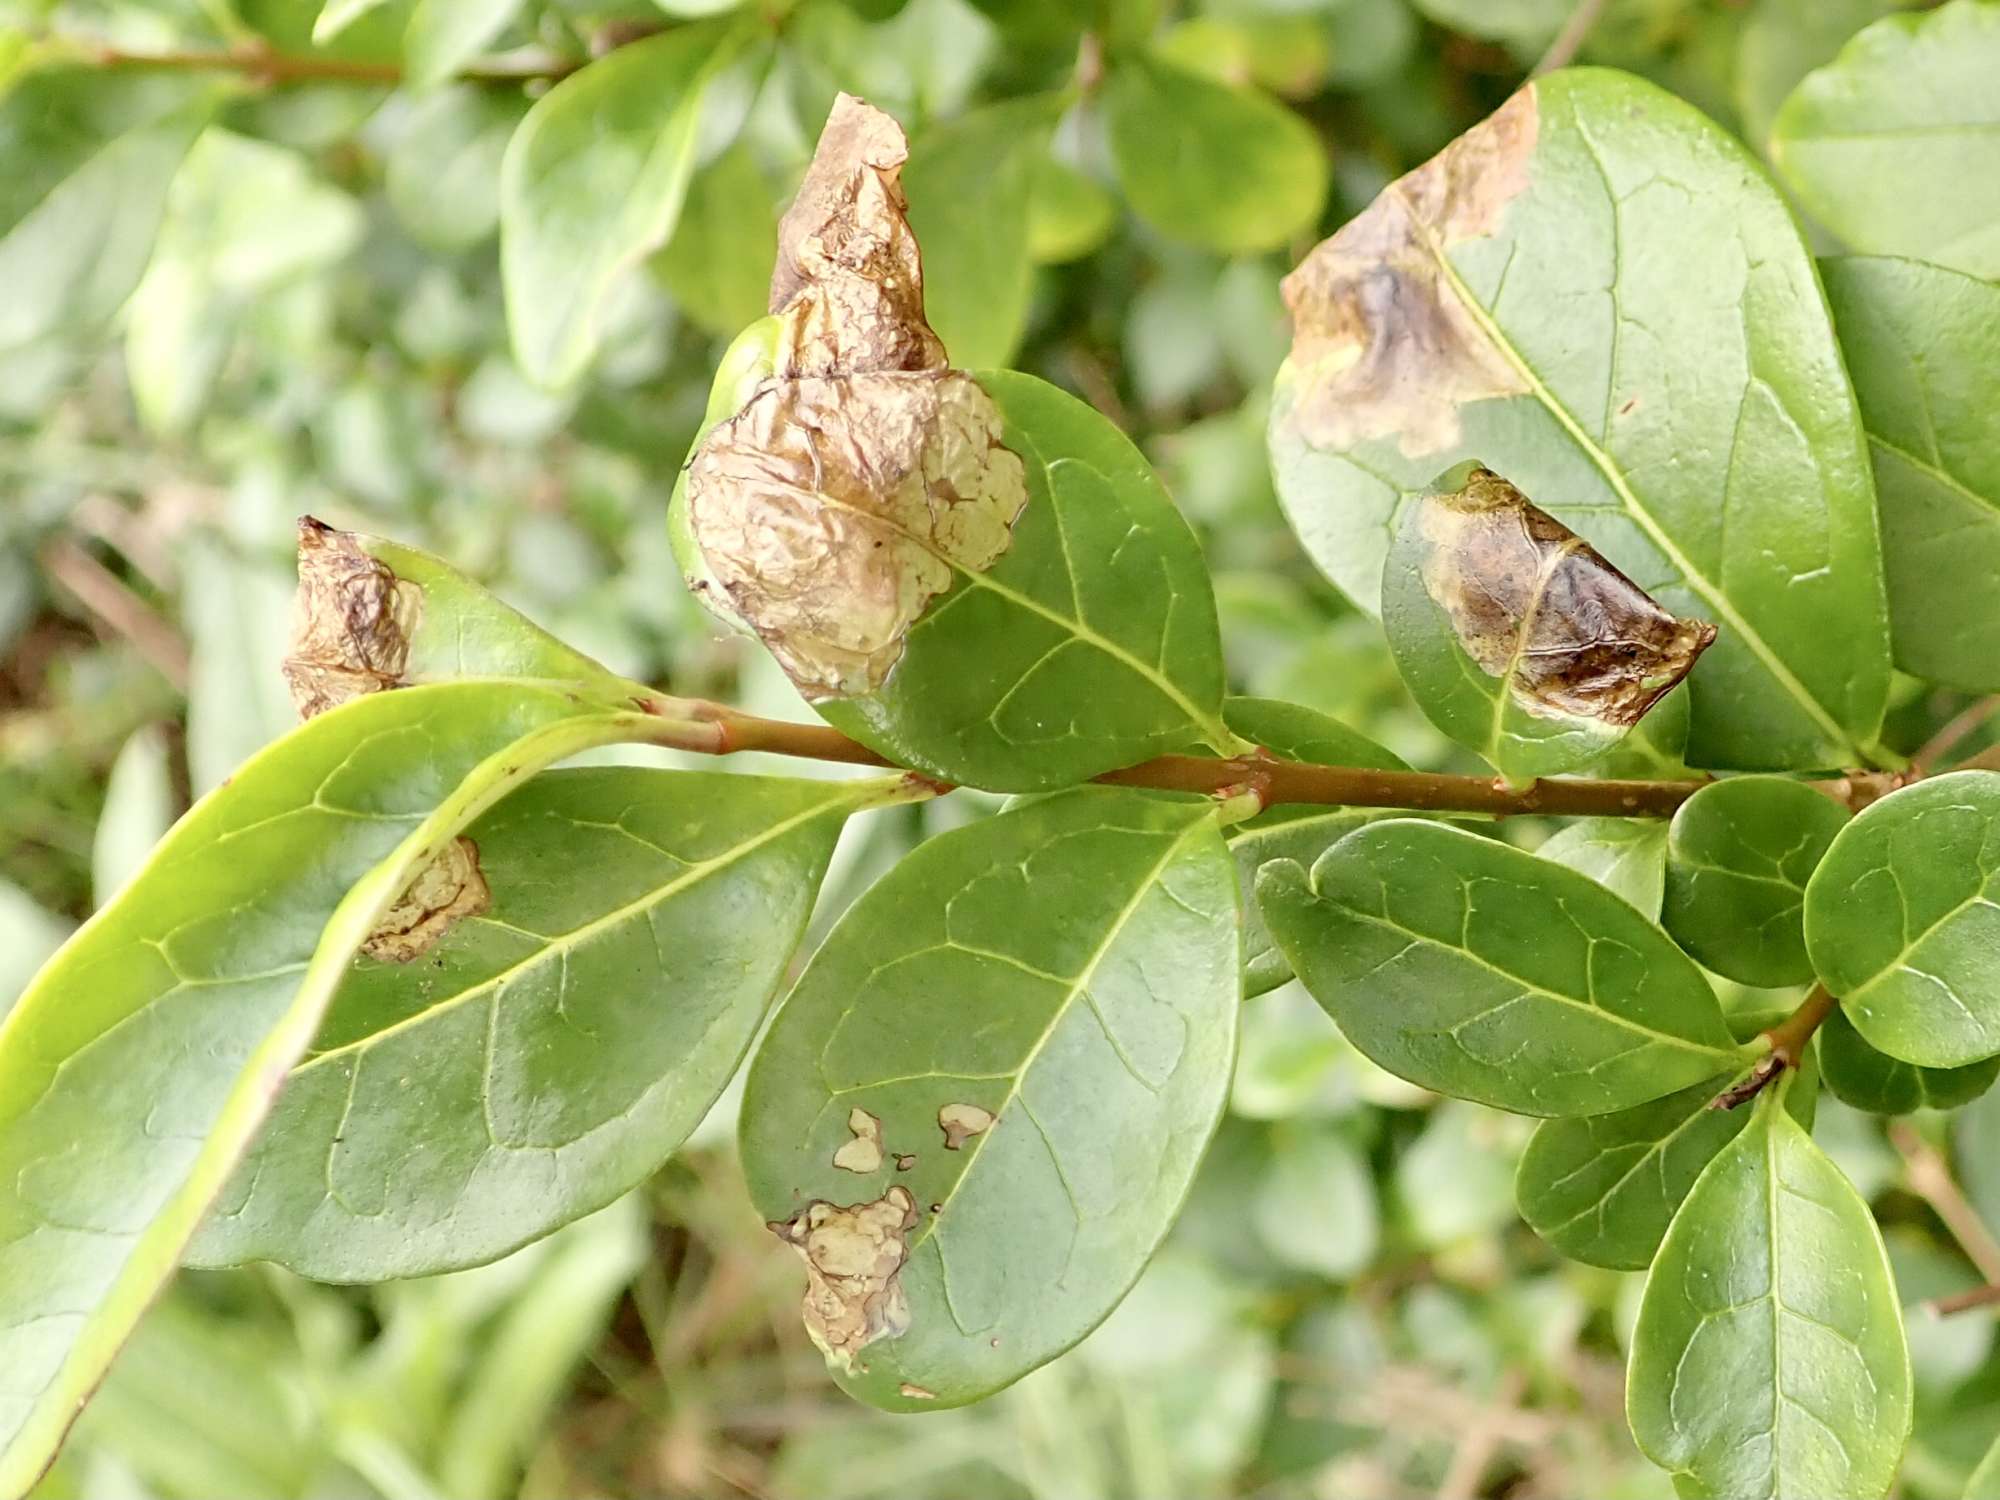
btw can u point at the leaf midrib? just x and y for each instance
(1693, 578)
(1077, 987)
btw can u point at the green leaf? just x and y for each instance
(1924, 346)
(593, 182)
(1782, 41)
(442, 175)
(444, 34)
(1903, 921)
(1315, 1207)
(1985, 1481)
(1867, 1079)
(85, 160)
(1090, 644)
(1769, 1357)
(1528, 24)
(1627, 856)
(969, 183)
(1549, 265)
(139, 807)
(1478, 970)
(1070, 213)
(1228, 169)
(552, 1051)
(718, 264)
(1068, 971)
(1603, 1188)
(138, 1066)
(1895, 145)
(1290, 731)
(1515, 637)
(1739, 854)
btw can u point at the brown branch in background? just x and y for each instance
(1963, 723)
(1575, 32)
(1929, 1177)
(112, 602)
(1979, 1296)
(269, 67)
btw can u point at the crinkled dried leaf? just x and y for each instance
(352, 620)
(854, 1261)
(832, 511)
(1536, 607)
(849, 276)
(834, 506)
(1383, 344)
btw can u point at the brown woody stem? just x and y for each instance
(1787, 1041)
(716, 729)
(270, 67)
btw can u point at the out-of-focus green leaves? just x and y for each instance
(1481, 971)
(1315, 1206)
(442, 176)
(1892, 144)
(718, 263)
(139, 807)
(444, 34)
(89, 158)
(1902, 919)
(1924, 347)
(593, 180)
(1769, 1355)
(1783, 41)
(1739, 854)
(1226, 168)
(1070, 213)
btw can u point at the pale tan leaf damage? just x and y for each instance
(446, 891)
(864, 1152)
(854, 1259)
(837, 503)
(961, 1122)
(1382, 344)
(1536, 607)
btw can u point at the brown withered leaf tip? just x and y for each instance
(352, 620)
(1539, 609)
(854, 1263)
(1382, 344)
(839, 501)
(446, 891)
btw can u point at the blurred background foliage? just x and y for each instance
(1108, 194)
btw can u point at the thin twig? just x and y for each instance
(1979, 1296)
(1946, 739)
(267, 66)
(1931, 1180)
(112, 602)
(1575, 31)
(1481, 1440)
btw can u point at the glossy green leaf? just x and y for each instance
(1895, 144)
(1782, 41)
(1903, 921)
(1090, 644)
(718, 263)
(1859, 1075)
(1739, 854)
(551, 1051)
(969, 182)
(1641, 416)
(1478, 970)
(1627, 856)
(442, 175)
(1603, 1188)
(1290, 731)
(443, 35)
(593, 182)
(1769, 1357)
(1924, 346)
(88, 157)
(1066, 971)
(1228, 169)
(138, 1066)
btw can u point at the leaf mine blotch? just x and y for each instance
(352, 620)
(961, 1122)
(854, 1259)
(445, 892)
(862, 1154)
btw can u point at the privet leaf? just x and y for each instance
(1893, 144)
(444, 34)
(1603, 1188)
(1523, 300)
(718, 264)
(1769, 1359)
(1229, 169)
(1515, 637)
(138, 1066)
(552, 1050)
(1290, 731)
(1739, 854)
(1859, 1075)
(592, 182)
(1478, 970)
(89, 155)
(980, 1110)
(1902, 921)
(1985, 1481)
(442, 176)
(1627, 856)
(1924, 346)
(1315, 1204)
(1781, 42)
